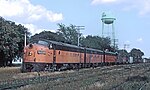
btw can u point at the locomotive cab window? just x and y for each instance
(43, 43)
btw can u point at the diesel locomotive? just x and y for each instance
(51, 55)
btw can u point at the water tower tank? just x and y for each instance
(107, 18)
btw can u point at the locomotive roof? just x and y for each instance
(113, 53)
(91, 49)
(74, 46)
(107, 52)
(62, 44)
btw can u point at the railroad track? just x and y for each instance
(87, 79)
(23, 82)
(66, 78)
(13, 84)
(134, 77)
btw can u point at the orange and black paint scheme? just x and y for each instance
(51, 55)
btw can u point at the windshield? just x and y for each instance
(43, 43)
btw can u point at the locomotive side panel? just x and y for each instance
(97, 58)
(88, 58)
(44, 58)
(94, 56)
(66, 57)
(82, 58)
(110, 58)
(69, 57)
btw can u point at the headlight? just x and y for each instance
(41, 52)
(30, 53)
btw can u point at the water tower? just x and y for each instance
(108, 19)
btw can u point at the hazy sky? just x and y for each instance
(131, 26)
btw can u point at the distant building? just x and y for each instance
(17, 61)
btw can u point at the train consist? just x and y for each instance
(52, 55)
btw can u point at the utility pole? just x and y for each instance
(78, 30)
(25, 38)
(126, 46)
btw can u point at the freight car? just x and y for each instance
(52, 55)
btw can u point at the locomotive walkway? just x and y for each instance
(121, 77)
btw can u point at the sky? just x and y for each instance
(132, 26)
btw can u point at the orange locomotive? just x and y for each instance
(51, 55)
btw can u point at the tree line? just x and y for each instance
(69, 34)
(135, 53)
(12, 40)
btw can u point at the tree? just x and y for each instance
(11, 41)
(66, 34)
(97, 42)
(123, 55)
(69, 33)
(136, 54)
(47, 35)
